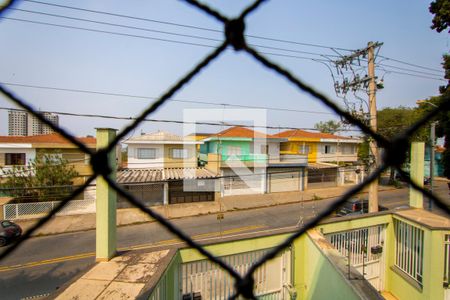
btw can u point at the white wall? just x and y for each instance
(338, 155)
(30, 154)
(136, 163)
(274, 151)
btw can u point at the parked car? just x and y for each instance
(355, 207)
(8, 232)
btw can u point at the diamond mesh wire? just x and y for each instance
(395, 150)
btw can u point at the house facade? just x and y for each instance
(21, 150)
(250, 162)
(332, 159)
(161, 150)
(320, 147)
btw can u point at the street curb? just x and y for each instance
(208, 213)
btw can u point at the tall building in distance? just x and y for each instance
(17, 122)
(23, 123)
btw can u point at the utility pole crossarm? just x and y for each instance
(367, 83)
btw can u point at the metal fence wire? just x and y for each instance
(394, 154)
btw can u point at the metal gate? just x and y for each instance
(205, 280)
(364, 249)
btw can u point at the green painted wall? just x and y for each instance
(221, 147)
(398, 282)
(234, 247)
(315, 277)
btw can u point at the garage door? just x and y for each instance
(321, 178)
(284, 182)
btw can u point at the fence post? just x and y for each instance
(166, 193)
(17, 211)
(106, 203)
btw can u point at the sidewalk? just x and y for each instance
(129, 216)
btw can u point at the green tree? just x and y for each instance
(441, 21)
(393, 120)
(441, 11)
(330, 126)
(47, 177)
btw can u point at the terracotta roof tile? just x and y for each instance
(53, 138)
(297, 133)
(242, 132)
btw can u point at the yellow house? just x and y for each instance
(319, 147)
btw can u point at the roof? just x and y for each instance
(154, 175)
(53, 138)
(298, 133)
(159, 137)
(242, 132)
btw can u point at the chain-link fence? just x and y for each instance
(394, 155)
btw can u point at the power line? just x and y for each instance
(204, 45)
(205, 29)
(185, 25)
(414, 75)
(409, 70)
(173, 121)
(171, 100)
(166, 32)
(409, 64)
(108, 32)
(149, 38)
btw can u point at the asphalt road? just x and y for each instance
(43, 264)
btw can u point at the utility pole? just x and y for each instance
(368, 84)
(373, 188)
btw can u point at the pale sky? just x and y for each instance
(48, 56)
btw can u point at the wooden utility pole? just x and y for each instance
(368, 84)
(373, 188)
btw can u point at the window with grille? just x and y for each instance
(409, 250)
(17, 159)
(146, 153)
(179, 153)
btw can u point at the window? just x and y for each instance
(233, 150)
(304, 149)
(329, 149)
(264, 149)
(146, 153)
(15, 159)
(179, 153)
(409, 250)
(348, 149)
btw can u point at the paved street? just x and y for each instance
(43, 264)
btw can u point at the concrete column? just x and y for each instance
(305, 179)
(106, 245)
(417, 173)
(166, 193)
